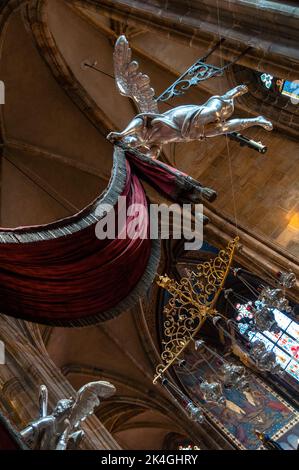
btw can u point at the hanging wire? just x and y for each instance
(214, 353)
(197, 379)
(251, 288)
(216, 374)
(218, 71)
(240, 298)
(187, 402)
(176, 389)
(181, 394)
(225, 332)
(190, 372)
(209, 365)
(269, 274)
(232, 184)
(226, 136)
(167, 384)
(93, 67)
(37, 184)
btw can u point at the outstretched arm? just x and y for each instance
(32, 433)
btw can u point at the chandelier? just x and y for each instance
(192, 303)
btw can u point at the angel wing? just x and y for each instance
(131, 82)
(87, 399)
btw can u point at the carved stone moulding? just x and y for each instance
(241, 23)
(255, 252)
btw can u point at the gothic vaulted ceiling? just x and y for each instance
(56, 159)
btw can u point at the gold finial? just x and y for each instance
(164, 281)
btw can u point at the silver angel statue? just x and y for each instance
(61, 429)
(149, 129)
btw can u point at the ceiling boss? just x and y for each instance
(150, 130)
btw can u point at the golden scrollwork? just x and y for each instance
(192, 302)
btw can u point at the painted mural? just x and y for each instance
(288, 437)
(259, 408)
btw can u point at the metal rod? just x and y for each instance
(199, 71)
(91, 66)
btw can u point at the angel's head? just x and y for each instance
(63, 408)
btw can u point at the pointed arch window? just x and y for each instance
(285, 342)
(276, 85)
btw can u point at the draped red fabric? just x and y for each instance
(161, 176)
(8, 438)
(71, 277)
(168, 180)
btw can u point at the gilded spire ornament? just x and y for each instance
(192, 301)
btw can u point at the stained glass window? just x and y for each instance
(291, 89)
(267, 80)
(286, 88)
(285, 342)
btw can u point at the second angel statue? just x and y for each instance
(61, 429)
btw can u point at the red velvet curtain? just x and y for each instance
(77, 279)
(73, 277)
(9, 440)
